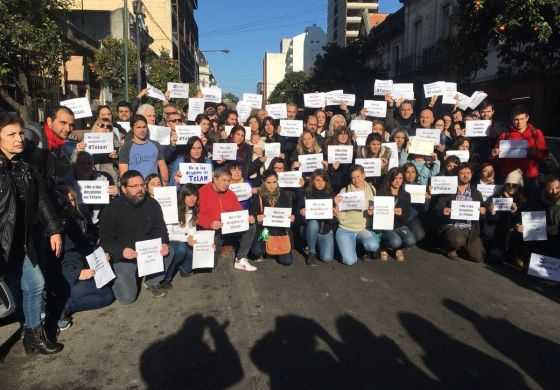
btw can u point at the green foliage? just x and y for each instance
(228, 96)
(291, 89)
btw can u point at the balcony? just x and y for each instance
(432, 58)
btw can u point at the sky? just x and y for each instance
(249, 28)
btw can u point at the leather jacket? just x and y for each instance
(39, 216)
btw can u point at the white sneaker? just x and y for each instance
(244, 265)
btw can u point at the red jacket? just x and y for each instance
(537, 151)
(212, 204)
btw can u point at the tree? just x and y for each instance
(32, 45)
(230, 97)
(291, 89)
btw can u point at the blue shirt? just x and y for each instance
(141, 157)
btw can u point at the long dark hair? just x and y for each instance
(404, 169)
(263, 124)
(184, 191)
(322, 174)
(189, 146)
(391, 174)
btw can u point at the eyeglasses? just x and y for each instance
(105, 126)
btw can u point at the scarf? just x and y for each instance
(53, 141)
(270, 198)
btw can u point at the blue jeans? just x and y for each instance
(85, 296)
(27, 284)
(347, 242)
(325, 241)
(182, 260)
(401, 237)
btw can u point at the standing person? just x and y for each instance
(487, 112)
(400, 116)
(128, 219)
(374, 149)
(216, 198)
(400, 138)
(25, 215)
(149, 112)
(269, 130)
(124, 111)
(142, 154)
(354, 226)
(322, 125)
(339, 172)
(458, 234)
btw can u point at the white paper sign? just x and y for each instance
(243, 191)
(98, 262)
(421, 146)
(160, 134)
(224, 151)
(417, 193)
(376, 108)
(125, 126)
(277, 111)
(431, 134)
(488, 190)
(194, 173)
(476, 98)
(502, 204)
(403, 90)
(94, 191)
(394, 159)
(382, 87)
(444, 185)
(243, 111)
(449, 97)
(314, 100)
(383, 212)
(178, 90)
(272, 149)
(463, 155)
(99, 143)
(148, 257)
(334, 98)
(212, 94)
(465, 210)
(318, 209)
(544, 267)
(372, 166)
(361, 128)
(348, 98)
(434, 89)
(290, 179)
(254, 100)
(167, 199)
(184, 132)
(463, 101)
(79, 106)
(196, 107)
(203, 249)
(235, 222)
(277, 217)
(477, 128)
(291, 128)
(352, 201)
(534, 225)
(513, 148)
(310, 162)
(155, 93)
(341, 153)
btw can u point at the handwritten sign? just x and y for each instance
(184, 132)
(376, 108)
(254, 100)
(341, 153)
(465, 210)
(272, 149)
(513, 148)
(476, 98)
(98, 262)
(403, 91)
(334, 98)
(212, 94)
(421, 146)
(417, 193)
(318, 209)
(155, 93)
(277, 111)
(383, 213)
(444, 185)
(352, 201)
(277, 217)
(291, 179)
(534, 225)
(502, 204)
(148, 257)
(449, 97)
(178, 90)
(462, 155)
(94, 191)
(160, 134)
(79, 106)
(361, 129)
(235, 222)
(243, 111)
(243, 191)
(314, 100)
(394, 159)
(488, 190)
(167, 199)
(382, 87)
(203, 249)
(434, 89)
(99, 143)
(196, 107)
(372, 166)
(310, 162)
(431, 134)
(194, 173)
(545, 267)
(224, 151)
(477, 128)
(291, 128)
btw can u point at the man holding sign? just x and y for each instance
(128, 220)
(461, 234)
(216, 199)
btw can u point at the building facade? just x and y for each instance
(345, 18)
(297, 54)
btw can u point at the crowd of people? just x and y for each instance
(47, 230)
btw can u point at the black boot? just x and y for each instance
(36, 341)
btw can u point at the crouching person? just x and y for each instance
(131, 218)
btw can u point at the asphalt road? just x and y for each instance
(430, 323)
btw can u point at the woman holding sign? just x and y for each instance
(339, 171)
(274, 230)
(269, 130)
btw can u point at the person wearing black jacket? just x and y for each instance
(25, 215)
(459, 234)
(318, 232)
(270, 195)
(130, 218)
(401, 236)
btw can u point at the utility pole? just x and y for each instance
(125, 44)
(137, 4)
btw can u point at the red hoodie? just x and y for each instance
(537, 151)
(212, 204)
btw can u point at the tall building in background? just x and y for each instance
(297, 54)
(345, 18)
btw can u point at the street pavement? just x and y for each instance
(429, 323)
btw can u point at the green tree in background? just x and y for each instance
(32, 45)
(291, 89)
(230, 97)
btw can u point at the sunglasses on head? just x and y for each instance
(105, 126)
